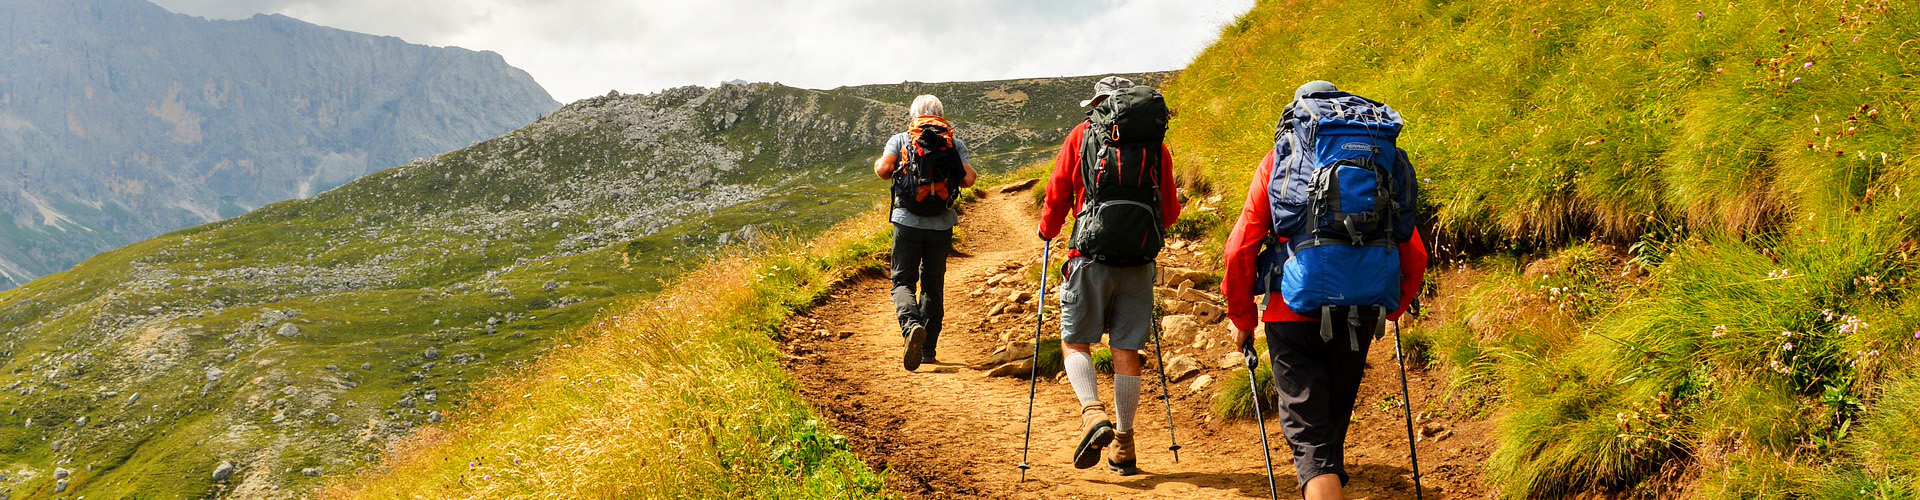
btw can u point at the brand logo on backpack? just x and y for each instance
(1119, 224)
(928, 178)
(1342, 195)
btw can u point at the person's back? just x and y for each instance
(1114, 174)
(927, 166)
(1317, 339)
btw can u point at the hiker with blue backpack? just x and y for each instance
(927, 165)
(1328, 236)
(1116, 177)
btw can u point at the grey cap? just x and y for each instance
(1313, 87)
(1105, 87)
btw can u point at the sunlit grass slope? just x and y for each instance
(680, 396)
(1682, 249)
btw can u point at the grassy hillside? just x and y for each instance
(680, 396)
(1676, 242)
(296, 342)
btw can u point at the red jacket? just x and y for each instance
(1243, 247)
(1064, 189)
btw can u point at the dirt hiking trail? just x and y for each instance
(950, 431)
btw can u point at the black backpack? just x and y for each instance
(928, 180)
(1119, 223)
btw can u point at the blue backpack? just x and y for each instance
(1343, 195)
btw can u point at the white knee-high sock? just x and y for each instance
(1079, 366)
(1126, 399)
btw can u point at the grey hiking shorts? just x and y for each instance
(1117, 301)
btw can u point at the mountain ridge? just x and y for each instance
(127, 121)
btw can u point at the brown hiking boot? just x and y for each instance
(1121, 457)
(1095, 432)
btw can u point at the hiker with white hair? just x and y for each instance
(928, 165)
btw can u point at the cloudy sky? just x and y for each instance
(582, 48)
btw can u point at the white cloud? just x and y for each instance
(581, 48)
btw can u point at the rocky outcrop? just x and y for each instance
(120, 120)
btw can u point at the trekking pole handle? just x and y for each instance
(1253, 361)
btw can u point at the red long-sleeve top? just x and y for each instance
(1243, 248)
(1064, 188)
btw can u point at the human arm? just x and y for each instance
(1243, 250)
(1413, 272)
(883, 167)
(1064, 185)
(1169, 195)
(966, 162)
(890, 157)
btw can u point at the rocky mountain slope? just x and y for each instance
(120, 120)
(249, 357)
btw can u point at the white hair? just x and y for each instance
(925, 105)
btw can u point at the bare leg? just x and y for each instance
(1325, 487)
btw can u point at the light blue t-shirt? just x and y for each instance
(942, 222)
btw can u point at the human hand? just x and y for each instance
(1244, 339)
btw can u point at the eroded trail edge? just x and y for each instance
(949, 430)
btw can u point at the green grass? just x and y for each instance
(682, 396)
(1635, 202)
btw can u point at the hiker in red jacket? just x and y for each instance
(1317, 379)
(1110, 291)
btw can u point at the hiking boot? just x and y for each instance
(1096, 432)
(916, 337)
(1121, 457)
(926, 358)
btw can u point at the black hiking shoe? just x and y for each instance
(916, 337)
(1097, 432)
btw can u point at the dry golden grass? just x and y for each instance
(678, 396)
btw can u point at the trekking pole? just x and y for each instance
(1160, 359)
(1406, 402)
(1033, 371)
(1273, 490)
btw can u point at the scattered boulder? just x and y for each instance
(333, 418)
(432, 353)
(551, 285)
(997, 310)
(1180, 329)
(1015, 369)
(310, 472)
(61, 473)
(1190, 294)
(433, 417)
(1207, 312)
(366, 366)
(1020, 297)
(134, 399)
(288, 330)
(60, 486)
(1007, 353)
(1232, 360)
(214, 373)
(1181, 367)
(1200, 383)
